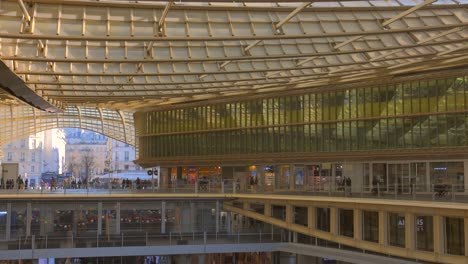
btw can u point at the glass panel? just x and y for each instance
(323, 219)
(455, 236)
(370, 222)
(424, 233)
(396, 229)
(346, 227)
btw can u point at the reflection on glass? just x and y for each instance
(455, 236)
(396, 229)
(346, 222)
(370, 222)
(323, 219)
(424, 233)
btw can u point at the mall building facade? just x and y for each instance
(405, 133)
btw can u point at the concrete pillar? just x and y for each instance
(289, 214)
(28, 219)
(334, 218)
(99, 223)
(8, 222)
(410, 232)
(163, 217)
(357, 222)
(439, 238)
(383, 228)
(117, 218)
(311, 217)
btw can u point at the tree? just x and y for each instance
(88, 162)
(74, 166)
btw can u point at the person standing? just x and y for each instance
(348, 185)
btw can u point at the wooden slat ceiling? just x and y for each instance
(133, 55)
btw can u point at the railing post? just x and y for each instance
(329, 188)
(170, 238)
(122, 240)
(260, 236)
(396, 190)
(362, 190)
(146, 238)
(222, 186)
(238, 237)
(204, 237)
(378, 189)
(413, 191)
(196, 187)
(46, 241)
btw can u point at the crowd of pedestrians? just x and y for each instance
(20, 183)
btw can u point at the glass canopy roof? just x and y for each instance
(138, 55)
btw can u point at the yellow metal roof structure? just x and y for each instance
(126, 56)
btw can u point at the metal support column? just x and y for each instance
(117, 218)
(8, 222)
(28, 219)
(217, 214)
(382, 228)
(99, 223)
(439, 238)
(292, 175)
(311, 217)
(410, 234)
(334, 220)
(357, 222)
(163, 217)
(192, 216)
(289, 214)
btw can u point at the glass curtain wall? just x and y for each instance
(412, 115)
